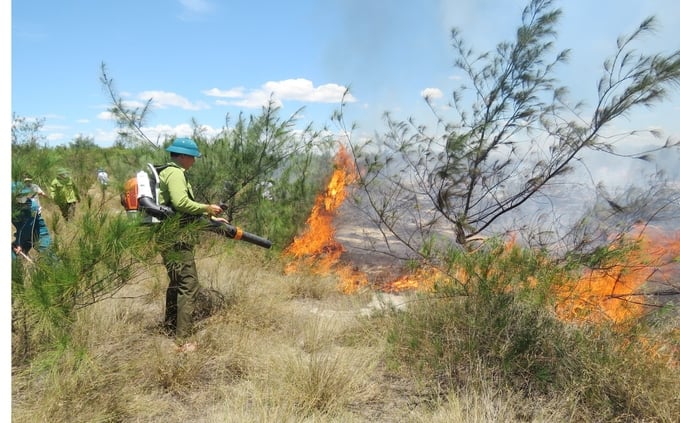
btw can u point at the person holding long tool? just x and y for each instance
(176, 192)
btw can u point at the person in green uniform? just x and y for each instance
(176, 192)
(64, 193)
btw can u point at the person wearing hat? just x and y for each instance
(64, 192)
(176, 192)
(30, 227)
(35, 190)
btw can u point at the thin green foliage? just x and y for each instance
(106, 252)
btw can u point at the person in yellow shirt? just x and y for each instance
(176, 192)
(64, 193)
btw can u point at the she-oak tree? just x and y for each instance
(514, 135)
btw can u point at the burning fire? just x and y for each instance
(613, 292)
(609, 293)
(316, 248)
(423, 279)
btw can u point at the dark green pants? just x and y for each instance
(68, 210)
(182, 289)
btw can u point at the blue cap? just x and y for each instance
(185, 146)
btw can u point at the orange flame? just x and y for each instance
(422, 279)
(613, 292)
(316, 248)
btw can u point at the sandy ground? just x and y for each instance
(366, 248)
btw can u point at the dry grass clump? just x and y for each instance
(321, 382)
(312, 287)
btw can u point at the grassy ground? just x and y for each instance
(284, 348)
(294, 348)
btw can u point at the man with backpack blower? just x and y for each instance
(176, 192)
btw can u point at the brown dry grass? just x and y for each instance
(284, 348)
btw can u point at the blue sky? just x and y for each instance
(206, 59)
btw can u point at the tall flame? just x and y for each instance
(316, 248)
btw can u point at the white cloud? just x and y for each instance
(105, 116)
(105, 138)
(252, 100)
(236, 92)
(303, 90)
(133, 104)
(163, 100)
(53, 127)
(298, 89)
(156, 133)
(160, 100)
(160, 132)
(431, 93)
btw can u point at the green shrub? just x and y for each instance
(500, 314)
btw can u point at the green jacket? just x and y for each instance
(175, 191)
(63, 191)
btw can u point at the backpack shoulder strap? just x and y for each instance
(157, 169)
(153, 171)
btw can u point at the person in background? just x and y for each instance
(64, 192)
(178, 255)
(30, 227)
(102, 177)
